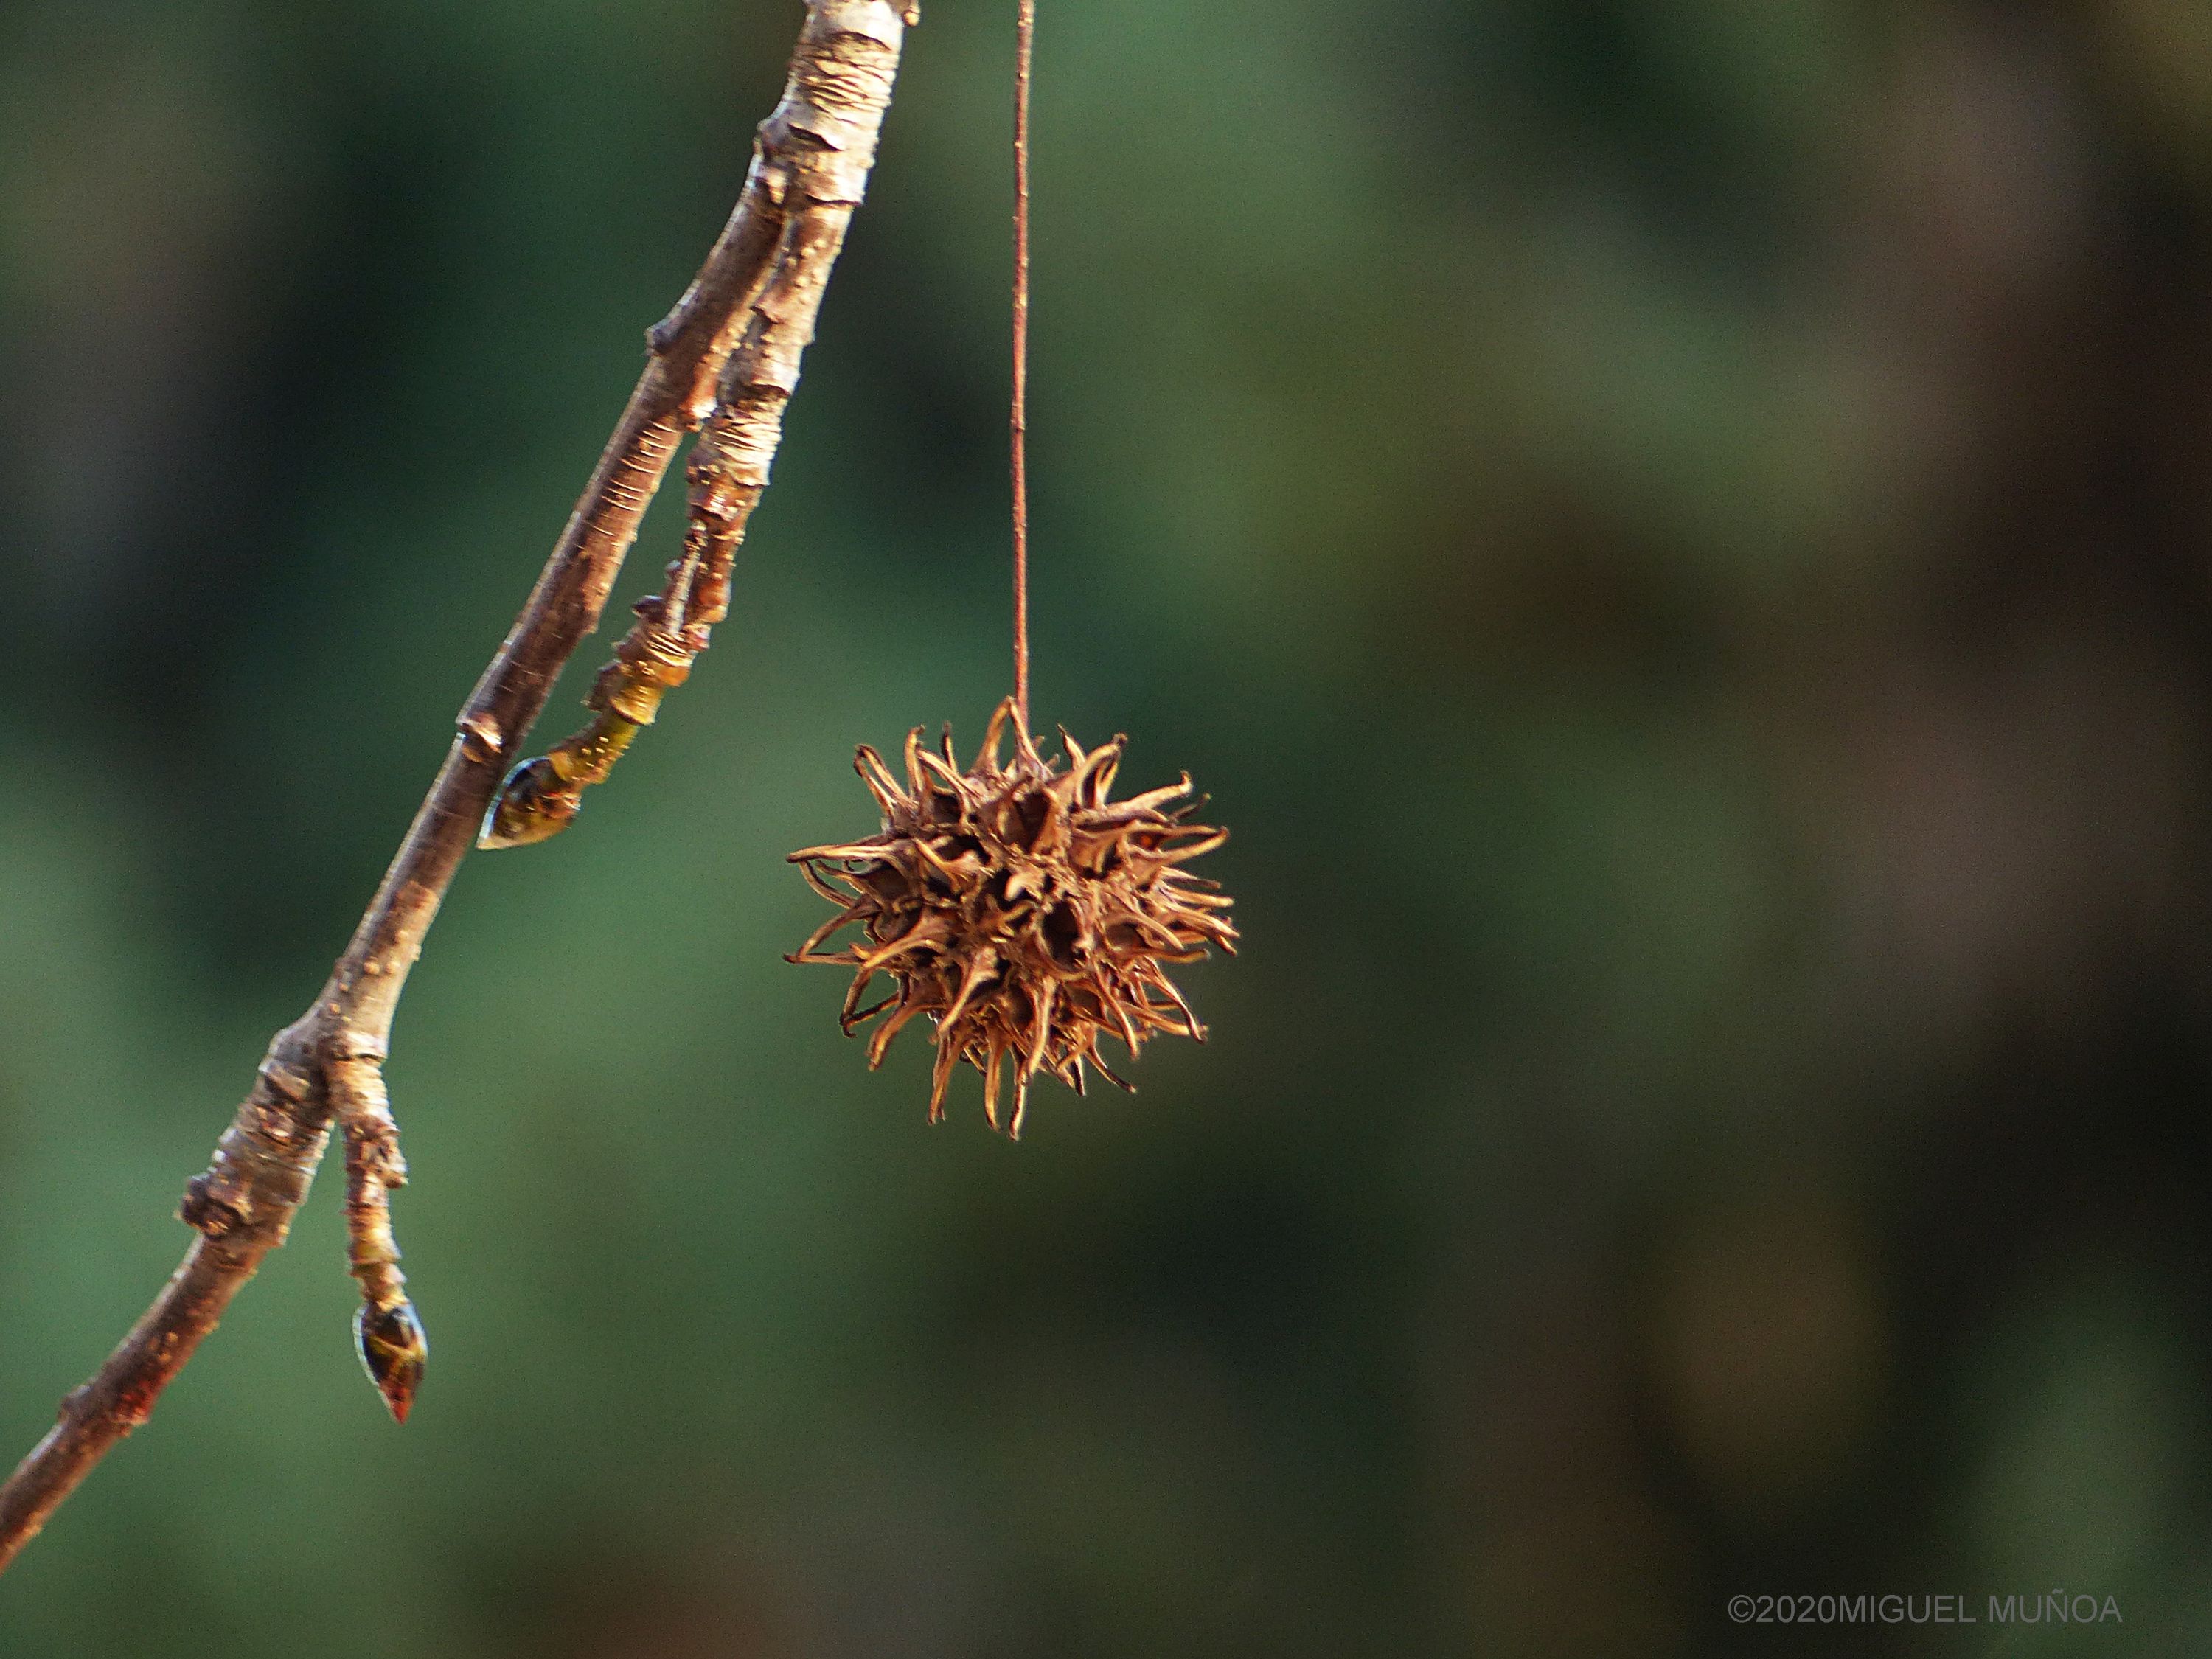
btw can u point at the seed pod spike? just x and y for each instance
(927, 931)
(815, 940)
(991, 1085)
(1131, 1038)
(1111, 1075)
(1198, 847)
(1041, 1032)
(941, 770)
(1102, 780)
(914, 762)
(866, 1014)
(814, 880)
(940, 1075)
(1192, 1029)
(1089, 775)
(878, 776)
(986, 758)
(925, 853)
(881, 1038)
(986, 961)
(834, 853)
(1152, 799)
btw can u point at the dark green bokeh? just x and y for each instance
(1676, 533)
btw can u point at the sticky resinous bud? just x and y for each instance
(534, 803)
(393, 1350)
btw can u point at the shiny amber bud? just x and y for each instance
(393, 1350)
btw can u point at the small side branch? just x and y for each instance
(826, 139)
(325, 1067)
(390, 1337)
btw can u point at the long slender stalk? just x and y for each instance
(812, 156)
(1019, 407)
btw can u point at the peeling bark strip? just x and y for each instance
(750, 308)
(818, 147)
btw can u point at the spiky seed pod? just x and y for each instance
(1020, 908)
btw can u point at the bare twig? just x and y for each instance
(809, 165)
(728, 473)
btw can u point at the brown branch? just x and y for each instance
(813, 155)
(728, 473)
(387, 1331)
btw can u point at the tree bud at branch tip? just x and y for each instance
(393, 1350)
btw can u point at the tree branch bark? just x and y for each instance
(810, 168)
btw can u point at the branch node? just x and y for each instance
(286, 1082)
(205, 1213)
(481, 737)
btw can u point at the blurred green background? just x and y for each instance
(1677, 534)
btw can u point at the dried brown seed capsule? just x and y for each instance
(1020, 908)
(393, 1349)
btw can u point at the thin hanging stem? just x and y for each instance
(1025, 34)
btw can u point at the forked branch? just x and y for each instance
(750, 310)
(728, 473)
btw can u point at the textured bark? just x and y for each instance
(826, 145)
(811, 160)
